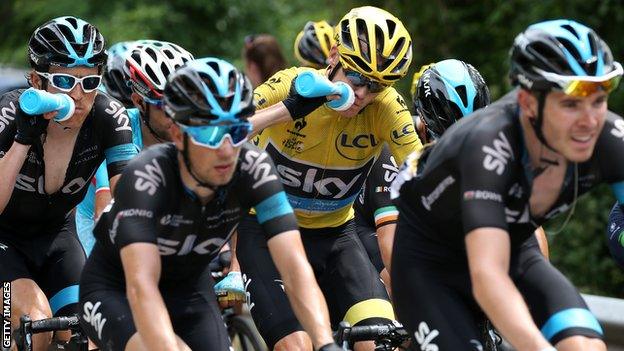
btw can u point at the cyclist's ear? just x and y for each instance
(138, 102)
(528, 103)
(35, 80)
(177, 136)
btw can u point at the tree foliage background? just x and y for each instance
(479, 32)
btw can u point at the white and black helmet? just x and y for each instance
(150, 63)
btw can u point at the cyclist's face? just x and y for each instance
(363, 96)
(83, 101)
(214, 166)
(572, 124)
(159, 122)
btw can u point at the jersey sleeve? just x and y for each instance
(486, 168)
(276, 88)
(101, 178)
(8, 128)
(380, 179)
(140, 197)
(114, 126)
(610, 156)
(262, 184)
(395, 124)
(615, 234)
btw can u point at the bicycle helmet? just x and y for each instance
(208, 91)
(447, 91)
(150, 63)
(68, 42)
(368, 27)
(313, 43)
(563, 47)
(114, 79)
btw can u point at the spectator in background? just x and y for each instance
(263, 57)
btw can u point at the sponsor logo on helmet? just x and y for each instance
(498, 155)
(425, 336)
(426, 78)
(525, 81)
(430, 199)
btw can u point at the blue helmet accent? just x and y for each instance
(114, 79)
(66, 41)
(562, 47)
(208, 91)
(447, 91)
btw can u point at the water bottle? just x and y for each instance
(35, 102)
(312, 84)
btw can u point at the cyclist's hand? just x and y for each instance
(230, 290)
(299, 106)
(29, 128)
(330, 347)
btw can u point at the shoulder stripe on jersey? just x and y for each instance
(123, 152)
(274, 206)
(618, 191)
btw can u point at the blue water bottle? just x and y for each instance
(35, 102)
(312, 84)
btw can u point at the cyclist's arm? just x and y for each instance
(102, 190)
(488, 259)
(540, 234)
(141, 263)
(304, 294)
(12, 153)
(268, 117)
(10, 164)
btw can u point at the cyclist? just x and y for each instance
(323, 157)
(98, 192)
(313, 44)
(47, 166)
(480, 192)
(147, 63)
(147, 283)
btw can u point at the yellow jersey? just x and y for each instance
(323, 159)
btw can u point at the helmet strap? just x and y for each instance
(538, 121)
(189, 168)
(145, 116)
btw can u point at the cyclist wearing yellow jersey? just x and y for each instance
(323, 157)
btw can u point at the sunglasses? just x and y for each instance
(582, 86)
(359, 80)
(212, 137)
(66, 82)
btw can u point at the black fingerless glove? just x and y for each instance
(300, 106)
(330, 347)
(29, 128)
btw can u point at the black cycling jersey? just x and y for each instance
(105, 134)
(615, 234)
(373, 207)
(152, 205)
(478, 175)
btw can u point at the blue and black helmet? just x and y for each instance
(563, 47)
(114, 79)
(68, 42)
(447, 91)
(208, 91)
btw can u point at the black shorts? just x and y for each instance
(435, 301)
(53, 260)
(368, 237)
(348, 280)
(107, 319)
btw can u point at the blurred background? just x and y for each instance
(479, 32)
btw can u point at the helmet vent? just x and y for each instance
(346, 35)
(151, 53)
(571, 29)
(215, 67)
(150, 73)
(164, 69)
(72, 21)
(169, 54)
(67, 33)
(391, 28)
(461, 91)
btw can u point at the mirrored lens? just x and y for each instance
(213, 136)
(581, 88)
(359, 80)
(90, 82)
(63, 81)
